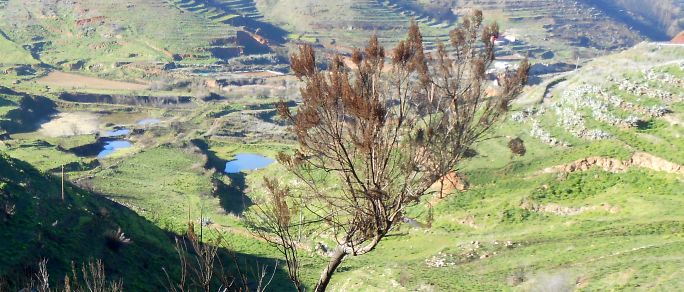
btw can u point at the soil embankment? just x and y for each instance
(638, 159)
(125, 99)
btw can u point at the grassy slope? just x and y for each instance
(13, 54)
(137, 31)
(595, 247)
(630, 235)
(633, 216)
(74, 230)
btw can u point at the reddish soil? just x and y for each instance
(89, 21)
(679, 39)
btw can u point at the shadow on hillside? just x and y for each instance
(634, 22)
(81, 228)
(213, 161)
(233, 197)
(31, 111)
(274, 34)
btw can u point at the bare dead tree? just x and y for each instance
(95, 278)
(202, 268)
(200, 265)
(43, 276)
(273, 223)
(374, 139)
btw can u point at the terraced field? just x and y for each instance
(340, 25)
(569, 22)
(98, 32)
(639, 107)
(412, 9)
(203, 32)
(220, 10)
(568, 28)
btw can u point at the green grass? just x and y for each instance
(594, 246)
(629, 234)
(43, 157)
(14, 54)
(161, 183)
(44, 226)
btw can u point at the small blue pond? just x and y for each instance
(112, 146)
(247, 162)
(150, 121)
(117, 132)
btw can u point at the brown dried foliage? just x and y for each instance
(274, 223)
(372, 142)
(202, 268)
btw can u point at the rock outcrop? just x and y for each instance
(560, 210)
(638, 159)
(453, 181)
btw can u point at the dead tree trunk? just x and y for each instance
(62, 183)
(329, 270)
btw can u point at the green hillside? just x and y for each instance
(14, 54)
(575, 212)
(41, 225)
(37, 224)
(594, 204)
(100, 36)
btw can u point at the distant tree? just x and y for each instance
(374, 137)
(517, 146)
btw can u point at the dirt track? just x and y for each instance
(69, 80)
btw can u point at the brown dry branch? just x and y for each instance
(202, 268)
(93, 279)
(382, 138)
(273, 223)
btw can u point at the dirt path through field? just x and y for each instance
(70, 80)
